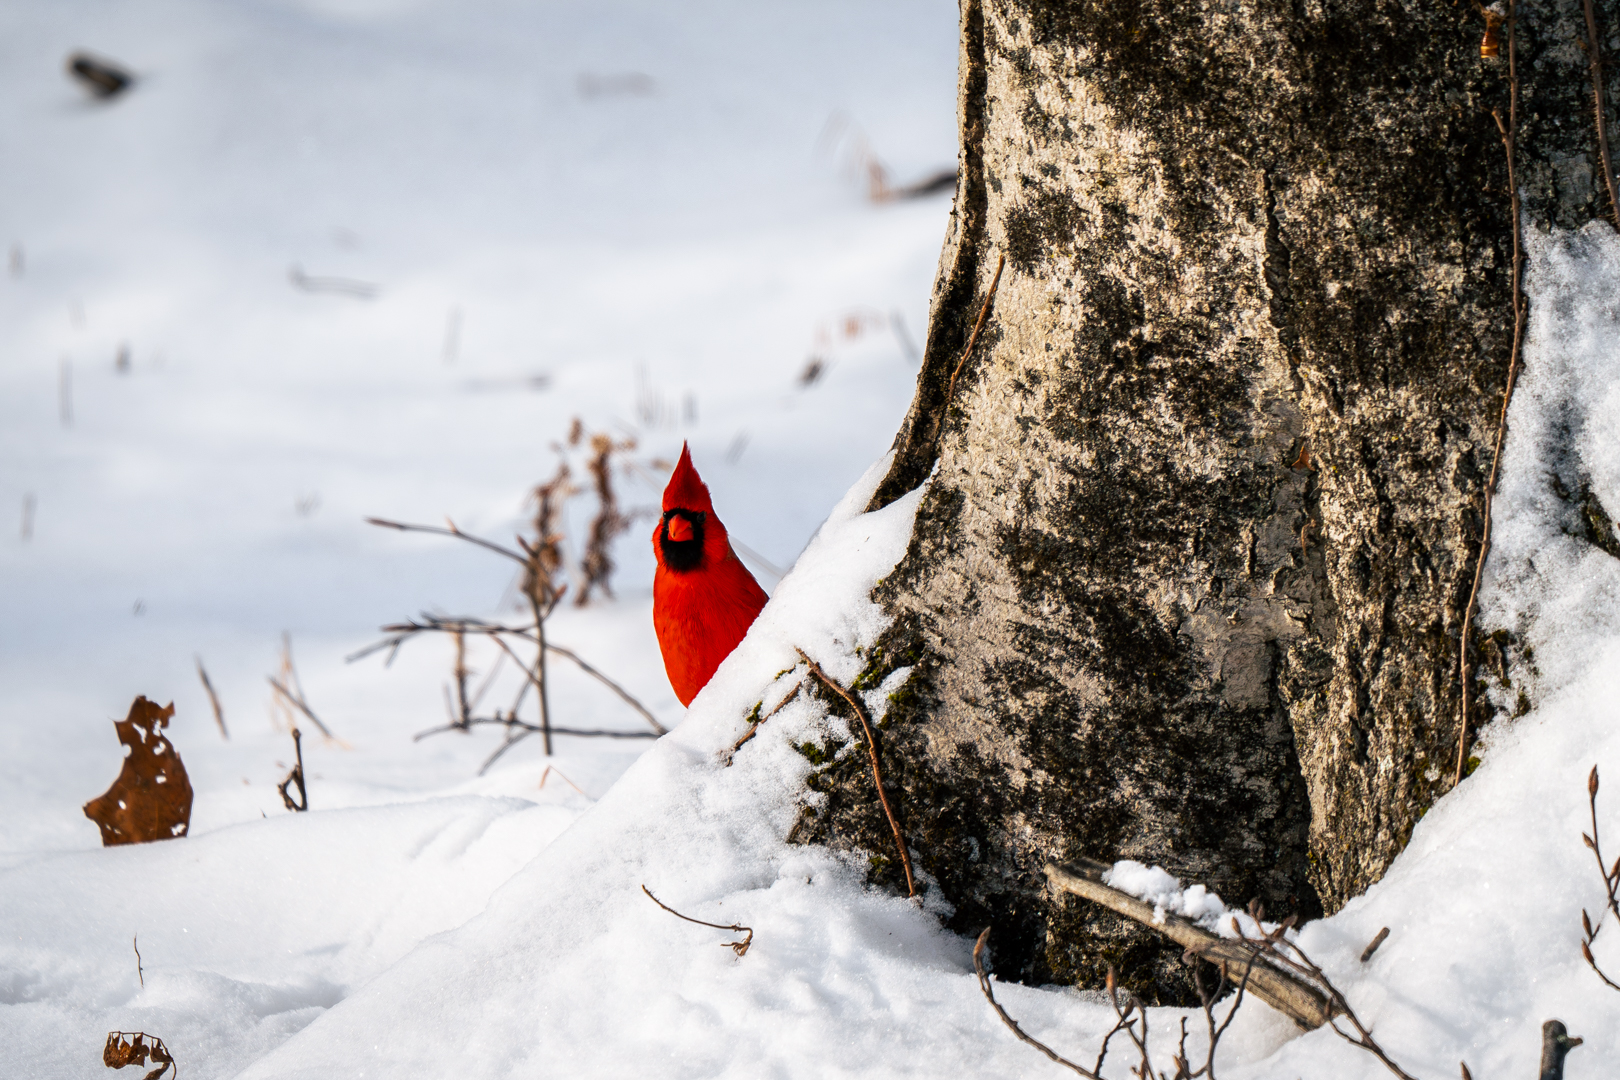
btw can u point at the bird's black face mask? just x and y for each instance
(682, 555)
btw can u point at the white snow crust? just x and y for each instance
(639, 246)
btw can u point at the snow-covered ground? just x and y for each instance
(641, 215)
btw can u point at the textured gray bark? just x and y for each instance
(1188, 584)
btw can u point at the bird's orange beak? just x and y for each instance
(680, 530)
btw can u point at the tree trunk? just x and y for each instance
(1188, 584)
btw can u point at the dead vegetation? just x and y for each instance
(101, 78)
(845, 142)
(738, 947)
(125, 1048)
(541, 562)
(295, 778)
(1261, 960)
(151, 799)
(289, 700)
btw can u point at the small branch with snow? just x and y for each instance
(738, 947)
(877, 770)
(1293, 997)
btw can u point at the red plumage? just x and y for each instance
(704, 598)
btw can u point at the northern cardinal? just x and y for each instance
(704, 598)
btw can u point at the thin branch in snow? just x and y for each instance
(877, 770)
(749, 734)
(1611, 885)
(1372, 946)
(1276, 946)
(1509, 133)
(1012, 1025)
(296, 777)
(738, 947)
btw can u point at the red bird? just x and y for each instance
(704, 598)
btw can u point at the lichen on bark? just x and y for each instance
(1187, 583)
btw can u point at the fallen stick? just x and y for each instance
(1293, 997)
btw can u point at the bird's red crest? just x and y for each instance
(686, 489)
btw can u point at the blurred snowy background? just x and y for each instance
(648, 216)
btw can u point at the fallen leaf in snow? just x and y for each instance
(132, 1047)
(151, 799)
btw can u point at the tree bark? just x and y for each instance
(1188, 583)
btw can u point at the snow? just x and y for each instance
(1165, 892)
(615, 211)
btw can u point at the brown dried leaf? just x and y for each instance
(133, 1048)
(151, 799)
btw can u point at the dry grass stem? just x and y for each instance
(738, 947)
(1509, 133)
(290, 691)
(213, 699)
(877, 770)
(140, 973)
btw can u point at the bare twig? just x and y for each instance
(1372, 946)
(1276, 946)
(1594, 55)
(1611, 885)
(1509, 133)
(213, 699)
(973, 339)
(611, 685)
(450, 531)
(296, 700)
(1012, 1025)
(1306, 1004)
(877, 770)
(296, 777)
(360, 290)
(139, 972)
(291, 690)
(749, 734)
(738, 947)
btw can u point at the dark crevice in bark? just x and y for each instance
(954, 306)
